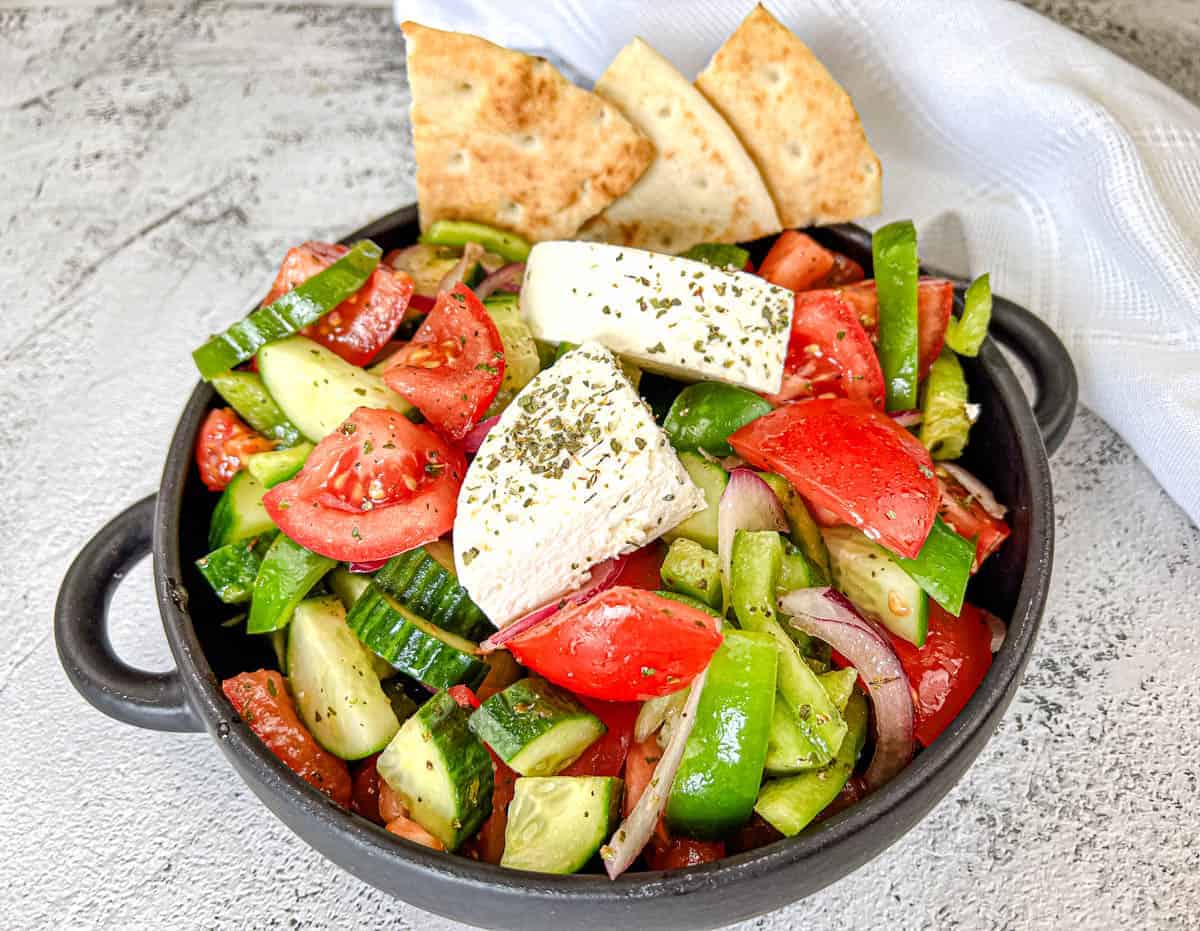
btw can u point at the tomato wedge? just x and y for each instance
(935, 301)
(853, 461)
(623, 645)
(488, 844)
(960, 509)
(261, 699)
(606, 756)
(377, 486)
(223, 446)
(796, 261)
(829, 353)
(365, 800)
(679, 852)
(639, 770)
(946, 671)
(643, 568)
(454, 364)
(362, 324)
(845, 271)
(408, 829)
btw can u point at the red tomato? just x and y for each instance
(488, 844)
(390, 806)
(967, 517)
(796, 262)
(935, 301)
(753, 834)
(945, 673)
(643, 568)
(853, 461)
(261, 699)
(377, 486)
(365, 800)
(639, 770)
(407, 828)
(829, 353)
(679, 852)
(623, 645)
(845, 271)
(223, 446)
(359, 326)
(464, 696)
(453, 367)
(606, 756)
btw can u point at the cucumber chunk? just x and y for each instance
(239, 513)
(278, 465)
(521, 359)
(440, 771)
(876, 584)
(537, 728)
(318, 389)
(338, 695)
(711, 479)
(231, 570)
(692, 570)
(348, 586)
(432, 656)
(426, 586)
(719, 777)
(557, 823)
(247, 395)
(288, 573)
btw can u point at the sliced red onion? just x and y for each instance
(474, 438)
(998, 628)
(365, 567)
(976, 489)
(655, 712)
(827, 615)
(507, 278)
(603, 576)
(907, 418)
(634, 832)
(472, 253)
(748, 503)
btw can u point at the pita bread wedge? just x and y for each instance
(701, 186)
(503, 138)
(798, 124)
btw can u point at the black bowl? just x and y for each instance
(1008, 450)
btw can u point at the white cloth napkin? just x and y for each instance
(1015, 145)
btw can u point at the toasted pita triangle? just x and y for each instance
(701, 186)
(503, 138)
(798, 124)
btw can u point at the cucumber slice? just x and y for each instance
(692, 570)
(712, 479)
(337, 694)
(288, 573)
(789, 805)
(231, 570)
(349, 586)
(440, 771)
(537, 728)
(432, 656)
(239, 513)
(690, 602)
(557, 823)
(422, 583)
(317, 389)
(278, 465)
(719, 777)
(803, 529)
(521, 359)
(876, 584)
(247, 395)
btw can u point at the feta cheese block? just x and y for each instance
(668, 314)
(576, 471)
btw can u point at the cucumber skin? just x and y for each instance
(232, 569)
(239, 513)
(588, 833)
(278, 465)
(711, 479)
(288, 572)
(721, 772)
(414, 652)
(246, 394)
(525, 712)
(847, 547)
(425, 587)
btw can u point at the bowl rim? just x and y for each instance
(898, 799)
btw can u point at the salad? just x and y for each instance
(579, 555)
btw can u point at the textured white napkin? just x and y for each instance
(1018, 148)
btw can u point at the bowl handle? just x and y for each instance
(154, 700)
(1043, 352)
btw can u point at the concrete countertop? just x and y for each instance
(155, 161)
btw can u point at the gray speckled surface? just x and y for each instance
(155, 160)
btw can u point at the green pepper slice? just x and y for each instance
(943, 567)
(945, 424)
(293, 311)
(704, 415)
(508, 246)
(718, 254)
(894, 251)
(966, 334)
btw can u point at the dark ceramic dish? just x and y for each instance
(1008, 450)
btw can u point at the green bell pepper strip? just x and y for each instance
(718, 254)
(247, 395)
(894, 251)
(943, 567)
(232, 568)
(965, 335)
(945, 424)
(804, 531)
(704, 415)
(508, 246)
(291, 312)
(288, 572)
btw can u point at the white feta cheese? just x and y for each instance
(668, 314)
(576, 471)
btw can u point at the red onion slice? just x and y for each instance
(907, 418)
(827, 615)
(472, 253)
(998, 628)
(506, 278)
(975, 488)
(474, 438)
(365, 567)
(748, 503)
(603, 576)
